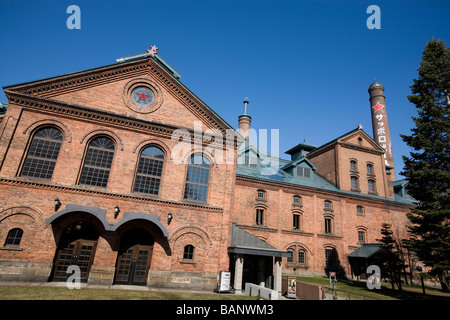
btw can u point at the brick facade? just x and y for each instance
(94, 103)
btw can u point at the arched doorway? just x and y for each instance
(76, 247)
(134, 257)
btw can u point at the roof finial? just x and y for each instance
(153, 50)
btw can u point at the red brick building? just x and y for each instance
(118, 170)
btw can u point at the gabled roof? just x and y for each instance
(133, 65)
(245, 243)
(366, 251)
(348, 135)
(298, 161)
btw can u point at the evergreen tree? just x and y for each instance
(389, 258)
(427, 170)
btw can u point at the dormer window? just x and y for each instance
(250, 161)
(303, 172)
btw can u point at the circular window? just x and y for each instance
(142, 96)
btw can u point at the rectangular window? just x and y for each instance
(354, 183)
(330, 257)
(361, 237)
(259, 216)
(301, 257)
(296, 221)
(303, 172)
(328, 225)
(250, 161)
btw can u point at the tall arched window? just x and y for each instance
(14, 237)
(188, 252)
(42, 153)
(197, 178)
(97, 163)
(149, 171)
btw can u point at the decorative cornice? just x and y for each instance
(298, 188)
(77, 81)
(114, 195)
(99, 116)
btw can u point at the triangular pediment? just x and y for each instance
(359, 139)
(114, 89)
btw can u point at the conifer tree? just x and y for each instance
(389, 258)
(427, 168)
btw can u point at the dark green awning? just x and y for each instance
(366, 251)
(245, 243)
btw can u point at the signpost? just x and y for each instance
(292, 291)
(333, 283)
(224, 284)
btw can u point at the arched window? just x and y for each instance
(149, 171)
(197, 178)
(14, 237)
(188, 253)
(328, 205)
(97, 163)
(42, 153)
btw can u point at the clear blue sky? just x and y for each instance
(304, 65)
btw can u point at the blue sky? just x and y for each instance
(304, 65)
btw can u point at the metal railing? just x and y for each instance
(348, 293)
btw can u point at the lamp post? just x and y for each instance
(419, 268)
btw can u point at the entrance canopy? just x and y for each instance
(245, 243)
(100, 214)
(366, 251)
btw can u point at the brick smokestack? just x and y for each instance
(380, 125)
(244, 122)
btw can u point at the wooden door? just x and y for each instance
(80, 253)
(133, 265)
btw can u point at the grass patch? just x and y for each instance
(357, 288)
(52, 293)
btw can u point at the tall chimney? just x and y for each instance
(380, 125)
(244, 122)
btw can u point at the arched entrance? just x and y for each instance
(134, 257)
(76, 247)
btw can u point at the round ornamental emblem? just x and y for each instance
(142, 95)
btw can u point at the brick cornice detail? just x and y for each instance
(257, 183)
(84, 79)
(114, 195)
(99, 116)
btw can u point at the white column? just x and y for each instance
(277, 275)
(238, 272)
